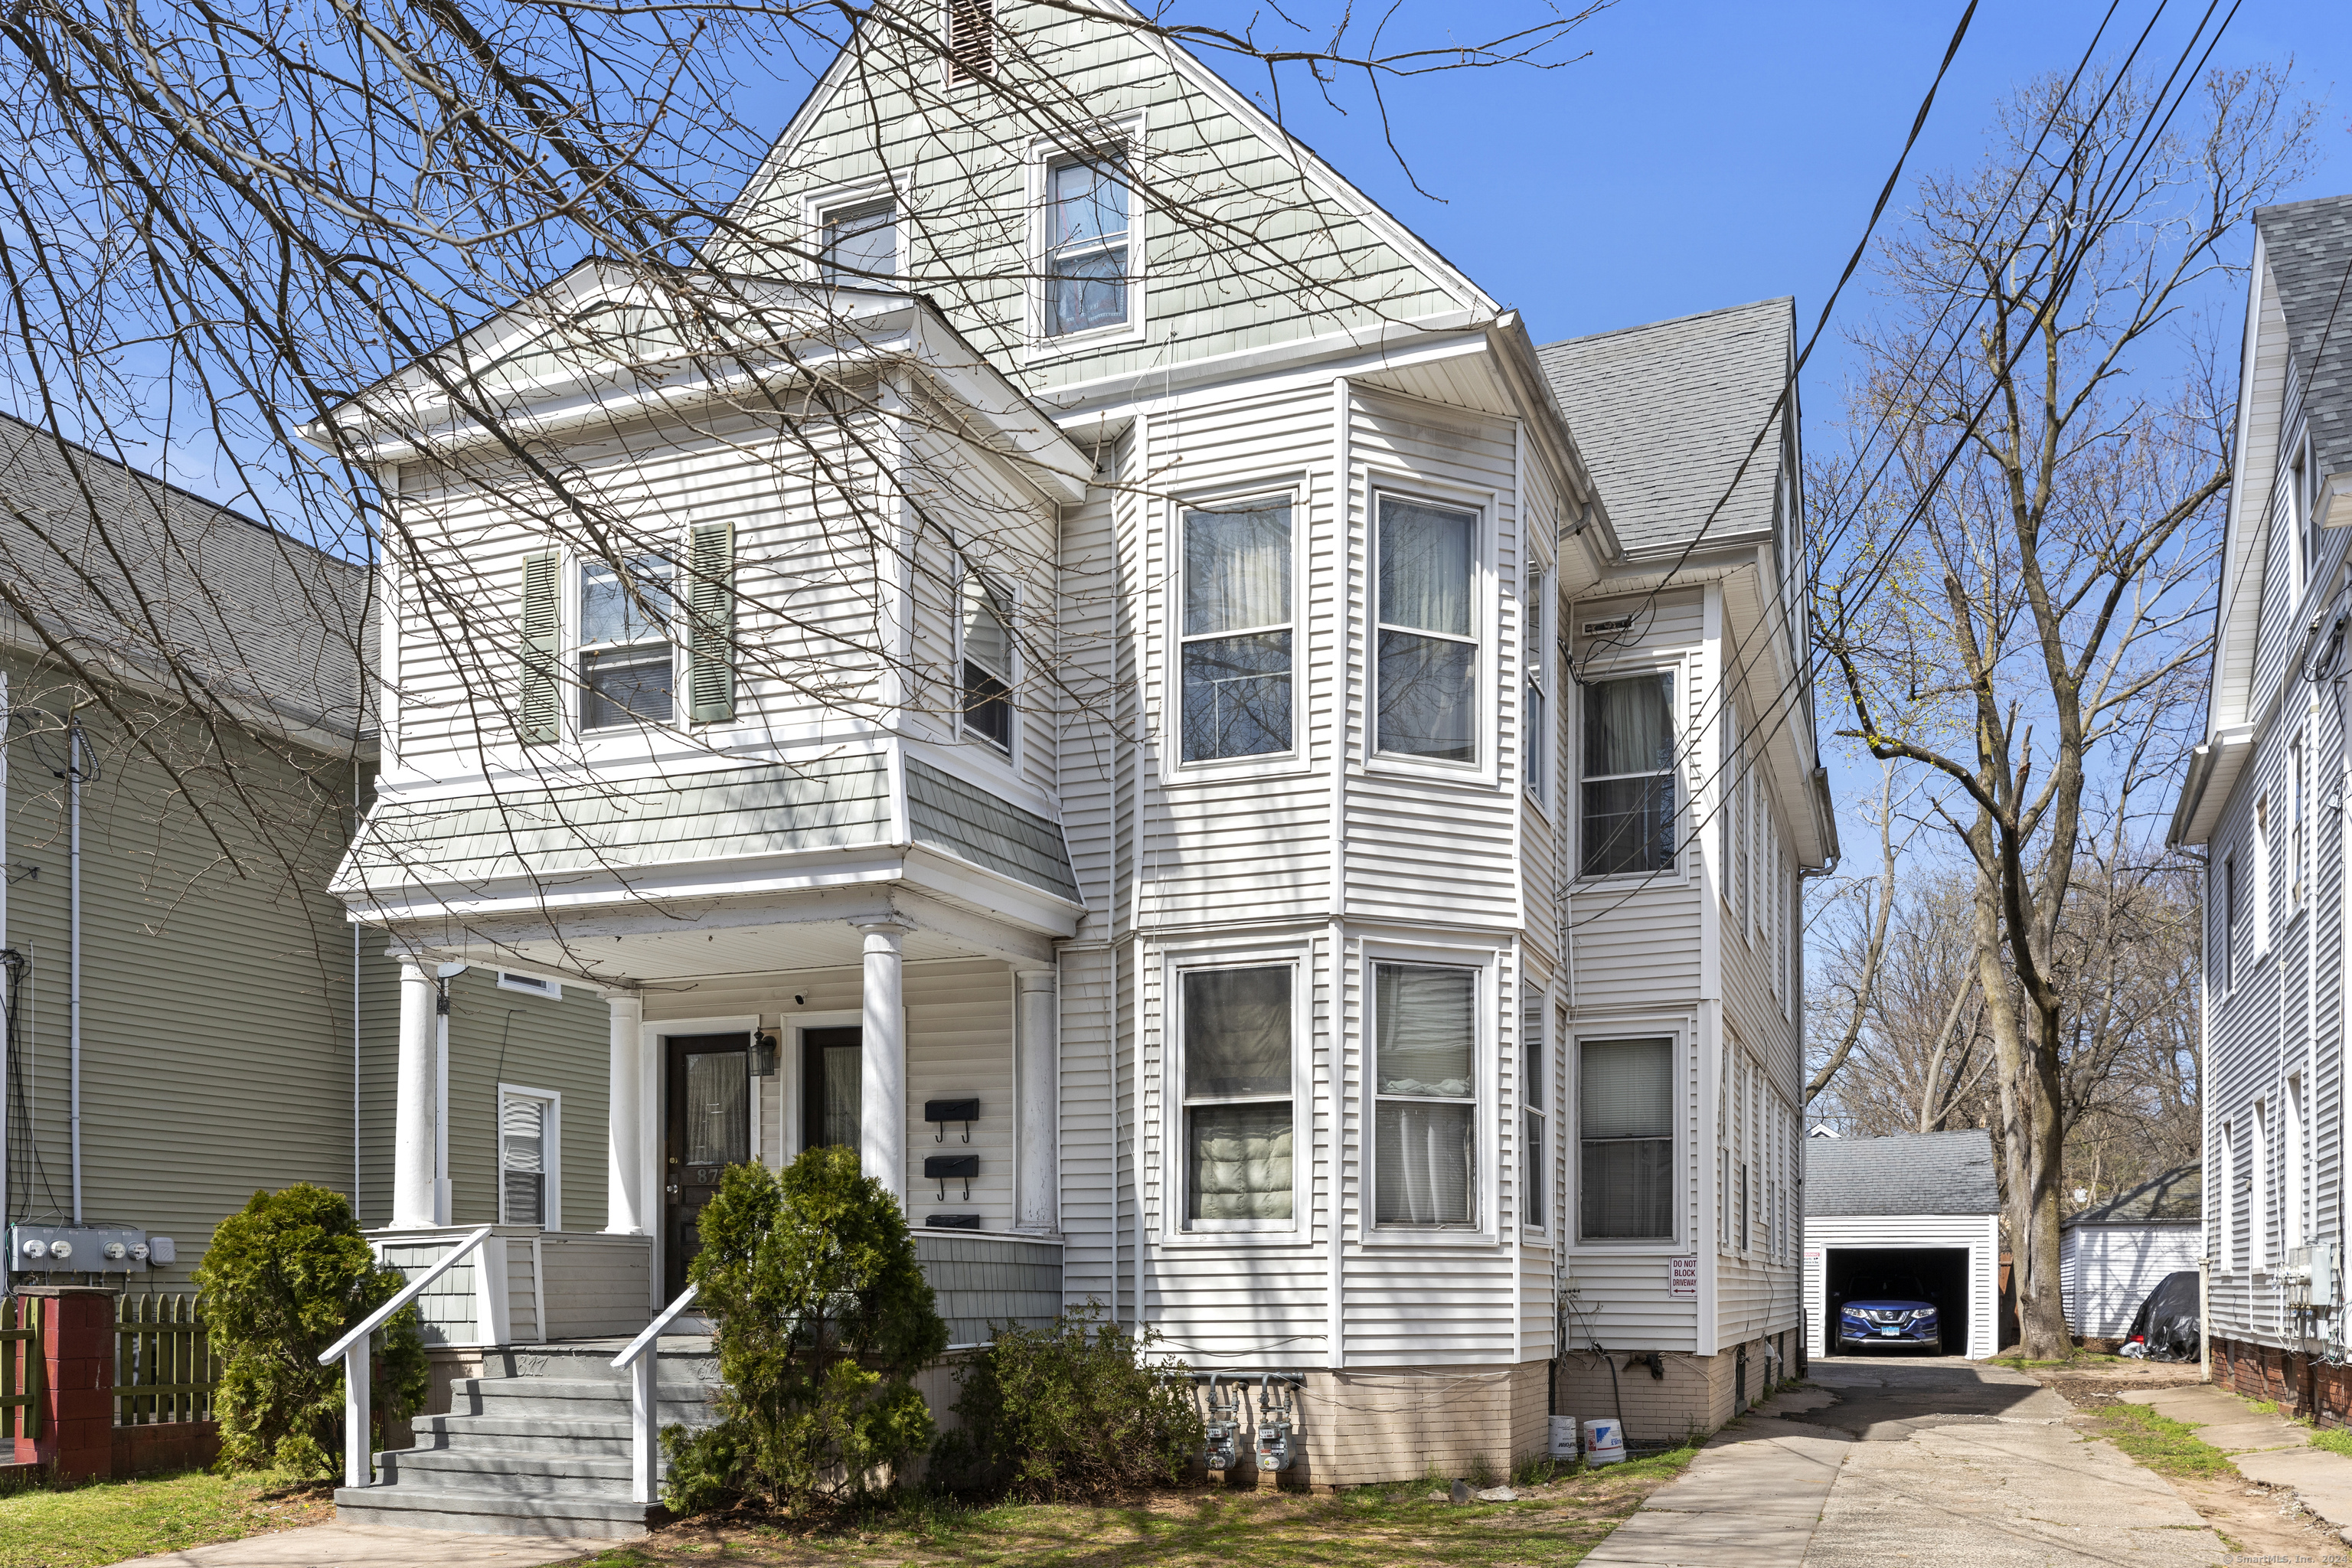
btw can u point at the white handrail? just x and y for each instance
(358, 1452)
(645, 1403)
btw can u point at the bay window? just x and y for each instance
(626, 645)
(1625, 1109)
(1239, 1113)
(1428, 656)
(1425, 1094)
(1628, 817)
(1238, 633)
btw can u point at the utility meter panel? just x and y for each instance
(77, 1250)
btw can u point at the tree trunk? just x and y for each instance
(2041, 1311)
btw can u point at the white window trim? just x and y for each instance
(2227, 904)
(2227, 1242)
(2291, 1163)
(1536, 1099)
(1484, 1229)
(1687, 845)
(2258, 1210)
(530, 985)
(1676, 1028)
(1174, 1228)
(1486, 600)
(1537, 646)
(574, 639)
(551, 1157)
(816, 204)
(1289, 488)
(1007, 595)
(1126, 136)
(2263, 870)
(791, 1091)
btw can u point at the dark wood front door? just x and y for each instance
(831, 1065)
(709, 1127)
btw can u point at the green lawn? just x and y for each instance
(2165, 1446)
(1371, 1526)
(107, 1521)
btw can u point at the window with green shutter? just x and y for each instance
(710, 624)
(538, 705)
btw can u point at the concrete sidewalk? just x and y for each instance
(2265, 1446)
(1753, 1496)
(375, 1546)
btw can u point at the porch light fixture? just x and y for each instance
(764, 1053)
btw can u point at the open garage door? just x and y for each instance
(1935, 1275)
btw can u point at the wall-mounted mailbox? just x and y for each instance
(945, 1168)
(953, 1221)
(943, 1111)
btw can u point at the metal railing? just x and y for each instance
(20, 1368)
(644, 1401)
(358, 1456)
(164, 1369)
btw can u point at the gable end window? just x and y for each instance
(1237, 634)
(1425, 1110)
(860, 245)
(1085, 245)
(1428, 656)
(1628, 819)
(625, 653)
(1239, 1115)
(986, 635)
(1625, 1107)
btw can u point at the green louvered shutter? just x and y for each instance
(540, 708)
(710, 624)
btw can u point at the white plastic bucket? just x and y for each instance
(1604, 1442)
(1563, 1437)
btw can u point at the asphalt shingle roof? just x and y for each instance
(140, 579)
(1665, 415)
(2176, 1196)
(1909, 1173)
(2308, 246)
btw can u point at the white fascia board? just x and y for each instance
(2334, 488)
(1381, 344)
(2213, 770)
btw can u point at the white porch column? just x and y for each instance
(416, 1139)
(1037, 1078)
(882, 1073)
(627, 1210)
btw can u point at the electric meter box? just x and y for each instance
(77, 1250)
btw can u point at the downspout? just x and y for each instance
(73, 970)
(1335, 1328)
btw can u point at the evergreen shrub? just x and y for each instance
(823, 1319)
(1076, 1411)
(285, 1278)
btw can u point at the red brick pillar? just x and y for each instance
(76, 1437)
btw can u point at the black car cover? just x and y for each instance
(2166, 1322)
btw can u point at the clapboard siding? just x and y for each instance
(1978, 1233)
(2105, 1272)
(563, 1044)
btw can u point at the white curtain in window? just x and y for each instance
(718, 1108)
(1625, 1109)
(522, 1161)
(1425, 1053)
(1425, 1154)
(1236, 570)
(1427, 554)
(1628, 726)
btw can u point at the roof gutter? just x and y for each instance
(2218, 761)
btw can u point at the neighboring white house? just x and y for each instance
(1915, 1214)
(1436, 986)
(2112, 1255)
(2264, 801)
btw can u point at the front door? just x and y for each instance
(831, 1063)
(708, 1129)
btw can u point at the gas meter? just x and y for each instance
(1221, 1433)
(1275, 1419)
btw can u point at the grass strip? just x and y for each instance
(107, 1521)
(2168, 1446)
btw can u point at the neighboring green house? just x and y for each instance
(204, 672)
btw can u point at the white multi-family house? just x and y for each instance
(1281, 818)
(2265, 800)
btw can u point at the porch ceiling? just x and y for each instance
(691, 953)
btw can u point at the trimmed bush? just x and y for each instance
(285, 1278)
(1077, 1412)
(824, 1316)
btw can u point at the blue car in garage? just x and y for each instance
(1888, 1322)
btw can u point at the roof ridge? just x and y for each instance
(1788, 300)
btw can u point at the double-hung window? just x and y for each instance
(625, 643)
(861, 245)
(1425, 1115)
(1085, 245)
(1629, 776)
(987, 661)
(1428, 672)
(1625, 1108)
(1538, 738)
(1534, 1087)
(1237, 634)
(2262, 874)
(527, 1157)
(1238, 1110)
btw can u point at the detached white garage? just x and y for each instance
(2111, 1256)
(1916, 1215)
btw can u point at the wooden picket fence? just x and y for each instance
(164, 1369)
(20, 1369)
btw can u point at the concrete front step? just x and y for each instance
(416, 1507)
(532, 1475)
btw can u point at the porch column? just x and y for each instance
(1037, 1075)
(416, 1139)
(626, 1210)
(882, 1073)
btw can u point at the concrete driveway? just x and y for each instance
(1926, 1461)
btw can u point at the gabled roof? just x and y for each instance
(1909, 1173)
(146, 583)
(2174, 1197)
(1665, 413)
(2308, 246)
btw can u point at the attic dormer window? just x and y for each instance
(861, 245)
(972, 39)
